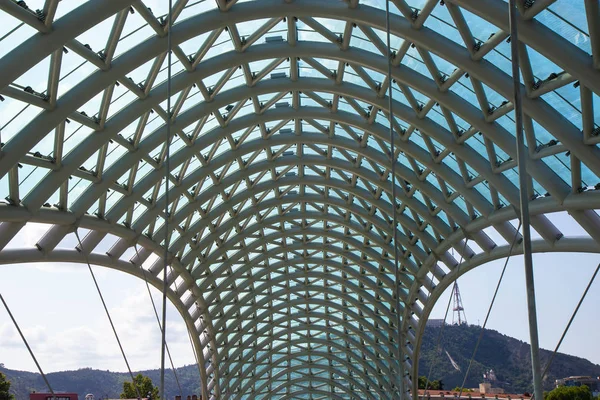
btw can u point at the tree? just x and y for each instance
(144, 385)
(5, 388)
(431, 385)
(464, 390)
(570, 393)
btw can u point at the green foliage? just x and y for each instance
(570, 393)
(431, 385)
(5, 388)
(144, 385)
(464, 390)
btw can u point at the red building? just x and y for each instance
(57, 396)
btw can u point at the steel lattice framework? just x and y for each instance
(280, 213)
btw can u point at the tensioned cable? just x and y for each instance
(167, 176)
(394, 209)
(487, 316)
(188, 331)
(112, 325)
(439, 338)
(11, 31)
(10, 314)
(157, 318)
(547, 367)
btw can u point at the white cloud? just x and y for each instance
(9, 336)
(88, 341)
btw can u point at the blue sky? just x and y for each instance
(60, 312)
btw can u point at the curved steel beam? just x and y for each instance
(310, 391)
(420, 154)
(267, 354)
(419, 208)
(52, 216)
(377, 340)
(343, 117)
(297, 381)
(252, 229)
(341, 204)
(158, 174)
(356, 302)
(225, 326)
(19, 214)
(351, 242)
(474, 159)
(33, 50)
(230, 279)
(21, 256)
(297, 393)
(425, 38)
(533, 34)
(342, 253)
(449, 100)
(443, 47)
(291, 369)
(541, 38)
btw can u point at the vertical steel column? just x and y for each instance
(524, 203)
(163, 344)
(400, 374)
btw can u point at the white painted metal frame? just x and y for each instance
(281, 170)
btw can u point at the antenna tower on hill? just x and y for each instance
(458, 315)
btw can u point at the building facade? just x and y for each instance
(591, 382)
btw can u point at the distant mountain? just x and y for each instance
(98, 382)
(508, 357)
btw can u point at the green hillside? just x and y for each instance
(507, 356)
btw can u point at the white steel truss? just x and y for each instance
(280, 217)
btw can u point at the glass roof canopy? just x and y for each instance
(280, 209)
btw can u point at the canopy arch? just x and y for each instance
(280, 150)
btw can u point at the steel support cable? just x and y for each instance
(487, 316)
(160, 327)
(167, 214)
(439, 338)
(393, 182)
(158, 319)
(188, 331)
(37, 364)
(112, 325)
(585, 292)
(12, 31)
